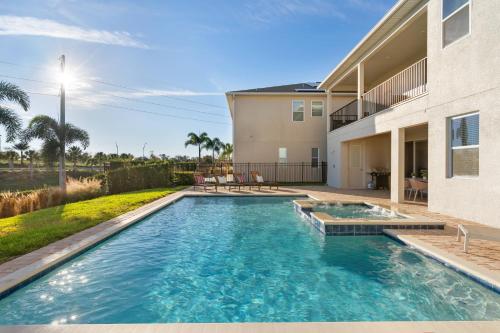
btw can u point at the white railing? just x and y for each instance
(409, 83)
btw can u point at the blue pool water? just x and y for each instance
(245, 260)
(355, 211)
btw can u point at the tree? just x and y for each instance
(11, 156)
(100, 157)
(32, 156)
(52, 134)
(214, 145)
(12, 122)
(74, 154)
(125, 156)
(196, 140)
(22, 146)
(227, 151)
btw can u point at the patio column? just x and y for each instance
(328, 106)
(361, 88)
(397, 165)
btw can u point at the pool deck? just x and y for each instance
(482, 261)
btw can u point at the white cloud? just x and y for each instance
(267, 11)
(31, 26)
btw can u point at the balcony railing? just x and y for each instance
(344, 116)
(409, 83)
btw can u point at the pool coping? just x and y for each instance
(20, 277)
(475, 272)
(318, 327)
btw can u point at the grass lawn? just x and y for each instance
(27, 232)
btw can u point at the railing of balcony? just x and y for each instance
(409, 83)
(344, 116)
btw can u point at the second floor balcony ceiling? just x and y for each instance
(390, 71)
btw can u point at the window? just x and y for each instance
(314, 157)
(464, 145)
(298, 110)
(456, 20)
(282, 155)
(317, 108)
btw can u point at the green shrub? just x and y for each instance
(183, 178)
(138, 178)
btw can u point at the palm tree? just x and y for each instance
(74, 154)
(196, 140)
(214, 145)
(227, 150)
(55, 138)
(32, 156)
(100, 157)
(22, 146)
(11, 156)
(8, 118)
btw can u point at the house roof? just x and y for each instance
(305, 87)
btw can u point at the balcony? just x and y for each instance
(344, 116)
(407, 84)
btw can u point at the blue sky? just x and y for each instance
(177, 58)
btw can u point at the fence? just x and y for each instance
(407, 84)
(301, 172)
(344, 116)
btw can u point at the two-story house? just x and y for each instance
(418, 95)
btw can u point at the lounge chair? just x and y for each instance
(199, 181)
(259, 181)
(222, 181)
(478, 232)
(239, 182)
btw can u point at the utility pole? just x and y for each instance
(144, 147)
(116, 144)
(62, 125)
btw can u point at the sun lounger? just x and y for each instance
(477, 232)
(259, 181)
(199, 181)
(238, 182)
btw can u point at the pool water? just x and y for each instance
(245, 259)
(356, 211)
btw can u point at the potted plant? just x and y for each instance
(413, 175)
(423, 174)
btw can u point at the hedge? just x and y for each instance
(184, 178)
(138, 178)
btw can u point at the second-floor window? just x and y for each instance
(298, 110)
(317, 108)
(456, 20)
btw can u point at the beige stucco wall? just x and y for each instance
(462, 78)
(263, 123)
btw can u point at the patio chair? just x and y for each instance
(478, 232)
(259, 181)
(239, 182)
(419, 187)
(222, 181)
(199, 181)
(408, 188)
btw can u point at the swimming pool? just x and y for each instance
(245, 259)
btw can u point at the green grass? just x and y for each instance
(27, 232)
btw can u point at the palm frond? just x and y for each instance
(13, 93)
(11, 122)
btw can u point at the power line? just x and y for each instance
(122, 97)
(133, 109)
(122, 86)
